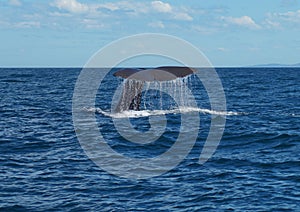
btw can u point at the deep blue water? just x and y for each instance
(255, 168)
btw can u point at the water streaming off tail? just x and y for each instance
(155, 95)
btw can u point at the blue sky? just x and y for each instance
(66, 33)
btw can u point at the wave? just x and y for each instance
(147, 113)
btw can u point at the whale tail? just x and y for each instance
(135, 79)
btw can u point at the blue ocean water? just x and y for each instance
(255, 168)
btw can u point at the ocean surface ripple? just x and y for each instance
(255, 168)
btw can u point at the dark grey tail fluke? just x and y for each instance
(164, 73)
(178, 71)
(135, 79)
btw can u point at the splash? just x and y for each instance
(147, 113)
(155, 98)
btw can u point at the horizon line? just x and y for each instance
(79, 67)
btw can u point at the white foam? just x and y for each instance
(147, 113)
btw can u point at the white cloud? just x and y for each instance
(92, 24)
(157, 24)
(22, 24)
(27, 24)
(183, 16)
(162, 7)
(204, 29)
(174, 13)
(74, 6)
(272, 24)
(15, 2)
(109, 6)
(222, 49)
(59, 14)
(154, 11)
(290, 19)
(244, 21)
(127, 6)
(71, 6)
(291, 16)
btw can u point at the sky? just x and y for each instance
(66, 33)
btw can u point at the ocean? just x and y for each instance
(256, 166)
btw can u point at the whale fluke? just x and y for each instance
(178, 71)
(126, 72)
(136, 77)
(163, 73)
